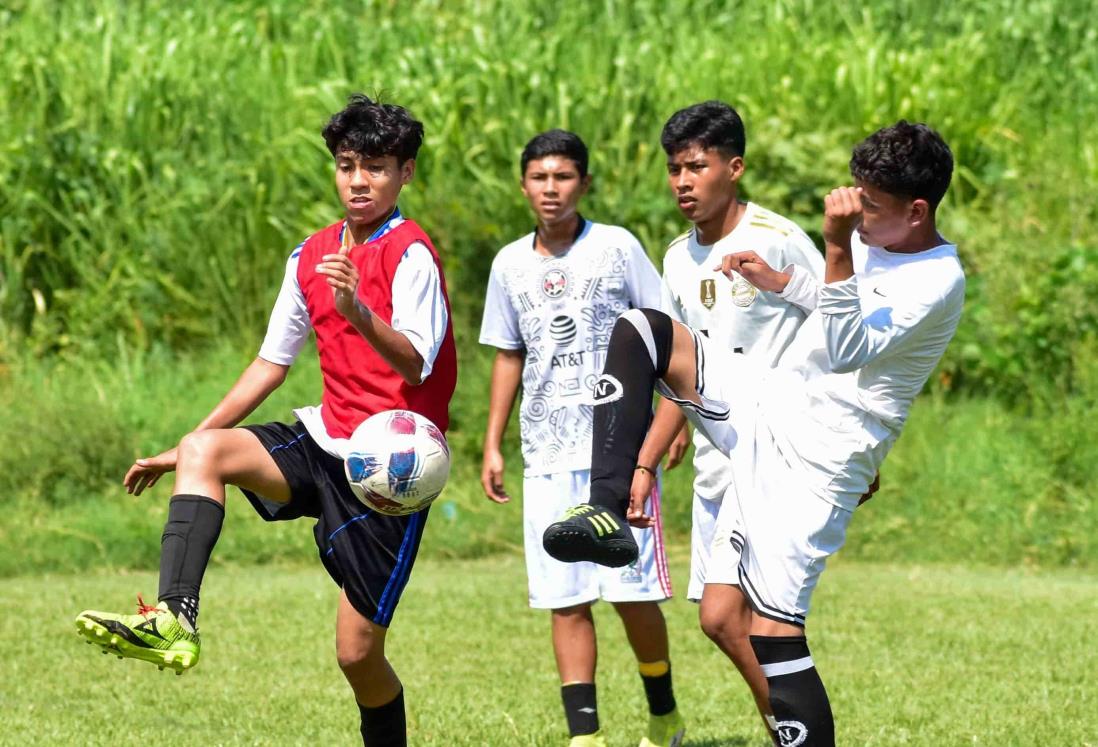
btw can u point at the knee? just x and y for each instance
(723, 629)
(197, 451)
(358, 653)
(654, 328)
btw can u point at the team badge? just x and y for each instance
(554, 283)
(708, 293)
(743, 292)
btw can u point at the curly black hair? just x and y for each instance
(710, 124)
(907, 160)
(556, 143)
(371, 129)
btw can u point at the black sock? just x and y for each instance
(638, 355)
(194, 523)
(580, 708)
(797, 696)
(661, 697)
(384, 726)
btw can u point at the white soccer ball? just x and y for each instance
(398, 462)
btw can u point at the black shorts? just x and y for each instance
(369, 555)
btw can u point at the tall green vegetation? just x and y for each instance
(157, 163)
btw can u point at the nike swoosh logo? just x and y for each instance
(878, 292)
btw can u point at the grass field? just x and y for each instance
(913, 655)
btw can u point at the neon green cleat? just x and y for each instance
(154, 635)
(588, 740)
(664, 731)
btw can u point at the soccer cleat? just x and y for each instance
(664, 731)
(588, 740)
(154, 635)
(587, 532)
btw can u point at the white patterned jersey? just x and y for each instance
(561, 310)
(733, 313)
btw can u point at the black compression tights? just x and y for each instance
(638, 355)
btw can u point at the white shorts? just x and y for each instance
(553, 584)
(784, 513)
(702, 527)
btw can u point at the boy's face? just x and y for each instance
(703, 181)
(553, 187)
(888, 220)
(368, 187)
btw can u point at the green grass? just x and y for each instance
(914, 655)
(971, 480)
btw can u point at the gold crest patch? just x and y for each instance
(708, 293)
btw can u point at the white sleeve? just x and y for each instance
(289, 325)
(805, 263)
(419, 308)
(499, 326)
(642, 277)
(854, 340)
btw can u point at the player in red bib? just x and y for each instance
(371, 287)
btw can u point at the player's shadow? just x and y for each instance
(713, 742)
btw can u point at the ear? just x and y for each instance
(585, 185)
(918, 213)
(407, 171)
(735, 168)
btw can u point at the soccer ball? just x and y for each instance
(398, 462)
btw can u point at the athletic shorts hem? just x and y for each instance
(563, 602)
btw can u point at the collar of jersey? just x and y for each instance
(580, 225)
(394, 220)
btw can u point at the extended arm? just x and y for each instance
(257, 382)
(506, 376)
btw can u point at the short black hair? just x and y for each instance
(372, 129)
(710, 124)
(556, 143)
(906, 160)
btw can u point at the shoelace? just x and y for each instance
(145, 609)
(579, 510)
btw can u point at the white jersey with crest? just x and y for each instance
(561, 310)
(733, 313)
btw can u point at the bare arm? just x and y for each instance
(506, 377)
(395, 348)
(666, 426)
(257, 382)
(842, 214)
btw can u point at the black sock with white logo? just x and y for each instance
(802, 712)
(580, 708)
(638, 355)
(386, 725)
(193, 526)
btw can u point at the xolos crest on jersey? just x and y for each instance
(708, 293)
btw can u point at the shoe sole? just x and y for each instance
(570, 545)
(112, 643)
